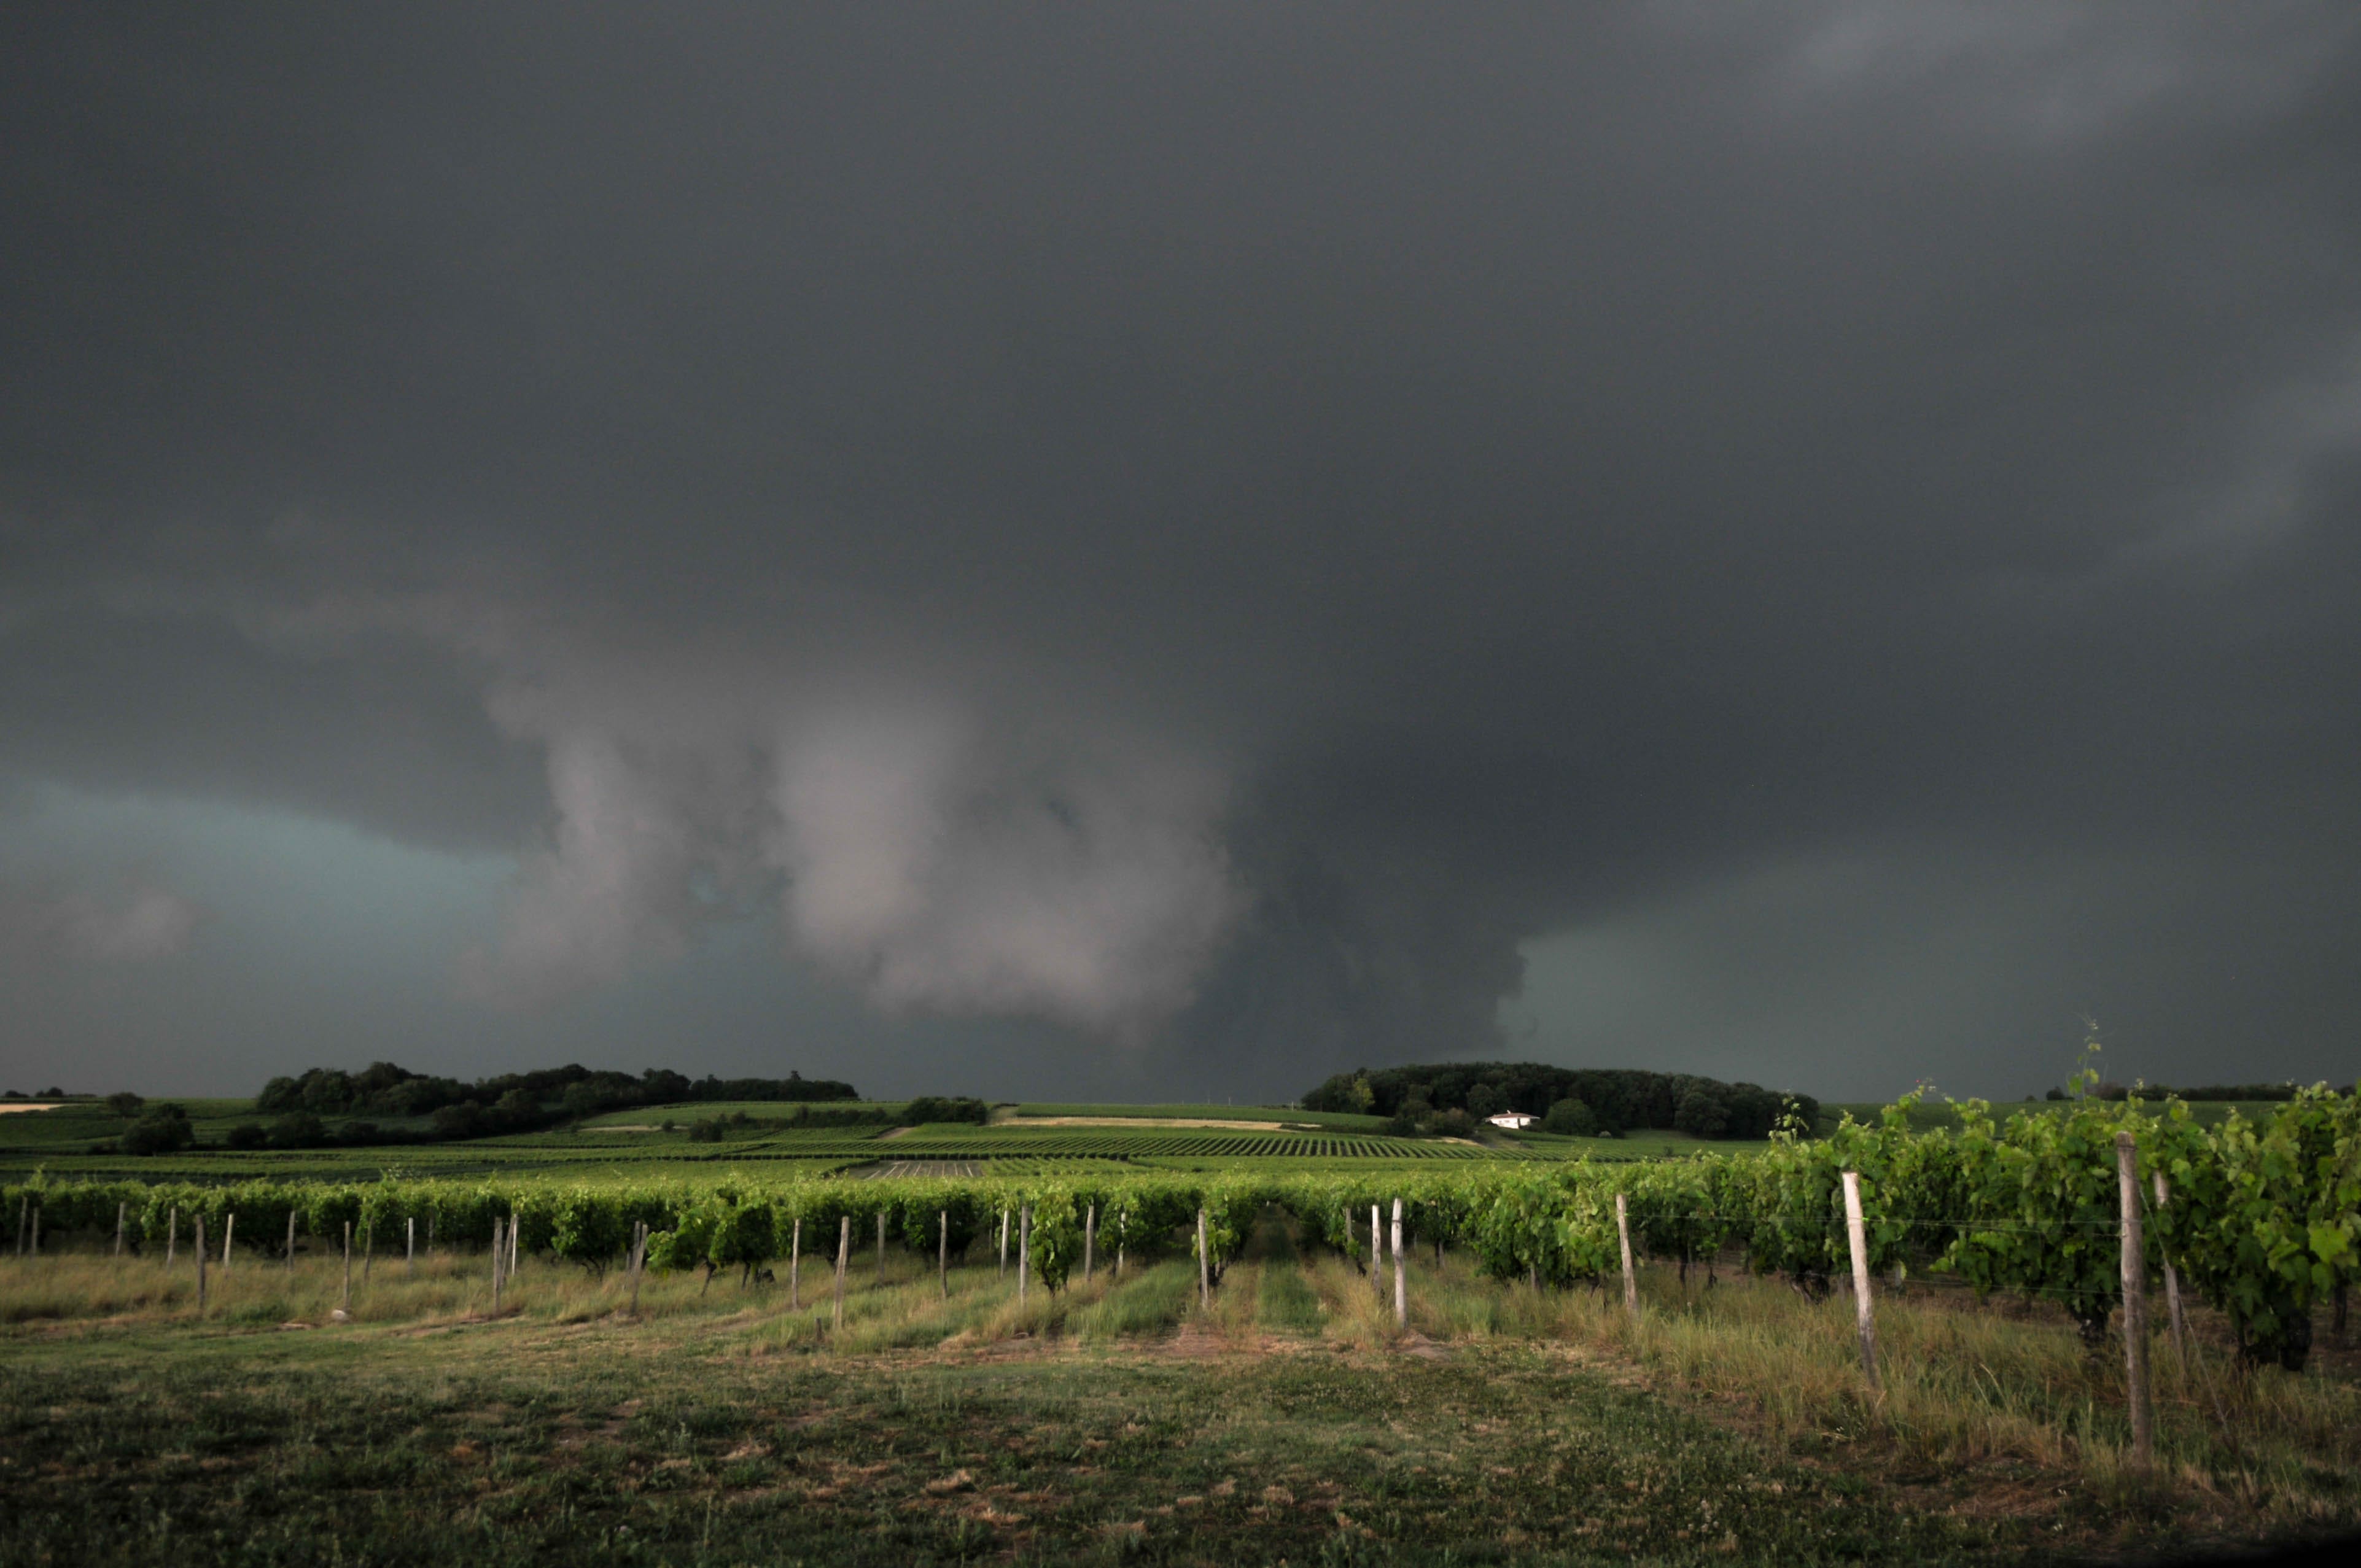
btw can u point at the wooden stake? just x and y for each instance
(172, 1236)
(943, 1251)
(2143, 1407)
(843, 1251)
(1023, 1250)
(201, 1264)
(499, 1256)
(1377, 1259)
(796, 1267)
(1090, 1238)
(368, 1250)
(230, 1229)
(36, 1231)
(122, 1212)
(1402, 1275)
(516, 1234)
(291, 1241)
(410, 1244)
(881, 1245)
(2171, 1277)
(639, 1258)
(345, 1306)
(1857, 1238)
(1004, 1243)
(1623, 1233)
(1204, 1266)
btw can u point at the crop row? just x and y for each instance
(2260, 1217)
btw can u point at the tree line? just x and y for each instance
(1581, 1101)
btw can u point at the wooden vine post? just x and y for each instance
(345, 1306)
(844, 1253)
(943, 1251)
(1401, 1276)
(201, 1265)
(122, 1213)
(172, 1235)
(409, 1245)
(795, 1267)
(1023, 1250)
(1376, 1254)
(1623, 1233)
(2171, 1277)
(881, 1245)
(230, 1229)
(2142, 1400)
(1857, 1238)
(1004, 1243)
(290, 1239)
(499, 1255)
(1090, 1239)
(1204, 1266)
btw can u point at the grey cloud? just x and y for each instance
(1217, 525)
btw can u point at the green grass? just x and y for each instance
(1111, 1423)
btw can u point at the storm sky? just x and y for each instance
(1164, 551)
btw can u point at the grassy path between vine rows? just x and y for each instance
(1109, 1423)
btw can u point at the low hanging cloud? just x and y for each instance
(941, 860)
(944, 870)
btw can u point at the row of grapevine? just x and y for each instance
(2260, 1217)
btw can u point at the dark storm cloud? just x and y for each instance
(1241, 515)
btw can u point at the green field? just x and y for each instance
(634, 1141)
(767, 1111)
(1339, 1121)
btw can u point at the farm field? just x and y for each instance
(1287, 1421)
(541, 1383)
(1340, 1120)
(58, 1142)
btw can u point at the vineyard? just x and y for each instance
(2257, 1218)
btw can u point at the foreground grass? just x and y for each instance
(666, 1442)
(947, 1420)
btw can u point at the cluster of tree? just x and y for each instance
(518, 1102)
(954, 1108)
(2110, 1090)
(160, 1130)
(1456, 1096)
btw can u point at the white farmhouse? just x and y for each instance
(1514, 1121)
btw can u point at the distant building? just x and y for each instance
(1515, 1120)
